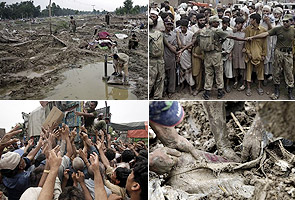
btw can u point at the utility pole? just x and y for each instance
(49, 9)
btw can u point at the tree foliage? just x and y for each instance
(26, 9)
(129, 9)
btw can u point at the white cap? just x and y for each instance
(195, 8)
(31, 193)
(154, 12)
(9, 160)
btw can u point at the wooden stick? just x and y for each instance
(237, 122)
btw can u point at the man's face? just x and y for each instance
(202, 22)
(265, 12)
(252, 21)
(239, 26)
(129, 182)
(193, 19)
(183, 29)
(277, 16)
(92, 106)
(227, 14)
(169, 26)
(215, 24)
(224, 25)
(220, 14)
(287, 23)
(114, 177)
(250, 10)
(154, 17)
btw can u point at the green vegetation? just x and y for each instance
(129, 9)
(26, 9)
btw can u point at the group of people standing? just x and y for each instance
(191, 44)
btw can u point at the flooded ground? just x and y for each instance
(88, 81)
(37, 65)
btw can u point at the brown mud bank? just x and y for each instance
(37, 65)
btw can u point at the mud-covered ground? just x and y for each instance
(32, 61)
(273, 177)
(234, 94)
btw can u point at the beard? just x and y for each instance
(201, 25)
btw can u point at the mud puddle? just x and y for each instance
(87, 83)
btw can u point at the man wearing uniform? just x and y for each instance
(213, 60)
(122, 61)
(156, 61)
(283, 55)
(170, 56)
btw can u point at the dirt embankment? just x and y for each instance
(32, 60)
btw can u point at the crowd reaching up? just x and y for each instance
(196, 45)
(57, 167)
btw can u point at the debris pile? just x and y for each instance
(271, 176)
(28, 51)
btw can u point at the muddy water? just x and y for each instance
(87, 83)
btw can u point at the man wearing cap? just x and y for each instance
(268, 22)
(122, 61)
(156, 61)
(213, 60)
(13, 169)
(283, 55)
(163, 117)
(184, 38)
(169, 56)
(198, 55)
(158, 23)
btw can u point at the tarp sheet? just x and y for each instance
(134, 129)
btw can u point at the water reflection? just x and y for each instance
(87, 83)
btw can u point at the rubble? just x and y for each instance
(27, 49)
(270, 176)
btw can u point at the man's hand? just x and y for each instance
(94, 162)
(252, 140)
(6, 140)
(82, 155)
(55, 158)
(163, 159)
(115, 197)
(80, 177)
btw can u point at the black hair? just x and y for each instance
(166, 2)
(252, 6)
(71, 17)
(167, 7)
(162, 5)
(141, 174)
(71, 193)
(171, 16)
(127, 155)
(256, 16)
(143, 153)
(110, 154)
(95, 102)
(163, 15)
(184, 22)
(36, 175)
(225, 20)
(39, 159)
(200, 16)
(122, 174)
(240, 20)
(220, 10)
(115, 56)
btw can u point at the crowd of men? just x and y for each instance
(196, 46)
(56, 167)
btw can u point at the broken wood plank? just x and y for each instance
(59, 40)
(238, 123)
(22, 43)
